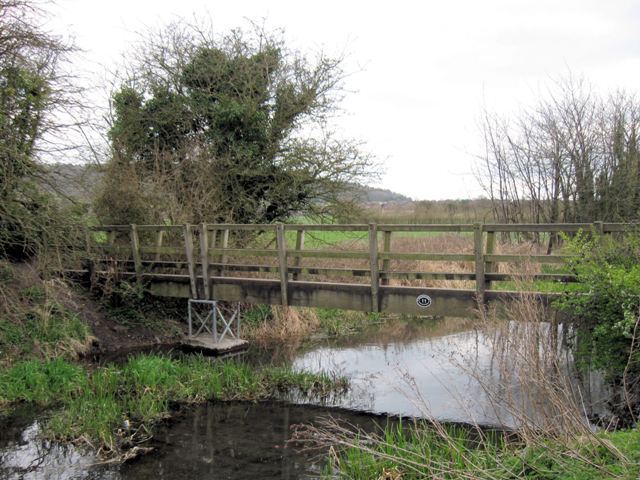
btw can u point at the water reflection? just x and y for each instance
(430, 368)
(418, 376)
(25, 456)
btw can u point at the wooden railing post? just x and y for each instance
(89, 261)
(375, 275)
(188, 249)
(204, 260)
(225, 245)
(159, 241)
(282, 263)
(299, 246)
(135, 253)
(479, 261)
(598, 227)
(386, 263)
(489, 250)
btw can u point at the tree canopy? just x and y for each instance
(31, 88)
(226, 129)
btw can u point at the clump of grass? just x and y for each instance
(420, 450)
(114, 408)
(272, 322)
(336, 322)
(35, 323)
(279, 323)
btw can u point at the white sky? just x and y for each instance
(422, 70)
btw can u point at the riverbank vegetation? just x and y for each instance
(113, 408)
(534, 389)
(268, 323)
(423, 450)
(605, 310)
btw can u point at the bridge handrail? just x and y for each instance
(206, 249)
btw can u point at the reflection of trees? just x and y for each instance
(26, 455)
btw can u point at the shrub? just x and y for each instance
(606, 302)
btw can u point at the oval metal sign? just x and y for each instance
(423, 301)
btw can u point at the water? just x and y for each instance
(417, 368)
(425, 373)
(214, 441)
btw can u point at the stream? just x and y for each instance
(400, 368)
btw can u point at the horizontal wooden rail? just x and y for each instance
(438, 257)
(528, 258)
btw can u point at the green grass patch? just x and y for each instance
(417, 451)
(337, 322)
(44, 329)
(115, 407)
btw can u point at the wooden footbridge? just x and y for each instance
(407, 269)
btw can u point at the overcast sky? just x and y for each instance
(422, 71)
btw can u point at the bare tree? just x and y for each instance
(572, 158)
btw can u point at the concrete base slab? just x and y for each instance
(205, 344)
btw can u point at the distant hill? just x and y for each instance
(379, 195)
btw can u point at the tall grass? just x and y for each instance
(35, 318)
(273, 323)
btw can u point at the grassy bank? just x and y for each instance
(35, 317)
(419, 450)
(114, 408)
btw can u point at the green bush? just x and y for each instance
(606, 302)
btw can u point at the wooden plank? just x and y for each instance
(162, 250)
(536, 227)
(112, 238)
(243, 252)
(188, 249)
(106, 228)
(386, 248)
(445, 227)
(213, 237)
(430, 275)
(159, 240)
(115, 249)
(365, 272)
(529, 258)
(439, 257)
(553, 277)
(135, 250)
(161, 227)
(327, 254)
(598, 227)
(328, 227)
(479, 262)
(282, 263)
(621, 227)
(243, 226)
(204, 260)
(299, 246)
(373, 262)
(223, 252)
(489, 250)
